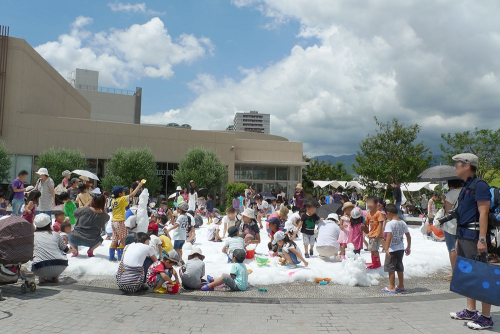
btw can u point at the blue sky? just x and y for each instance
(323, 69)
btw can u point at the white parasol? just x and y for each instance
(85, 173)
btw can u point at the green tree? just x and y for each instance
(57, 160)
(234, 188)
(203, 166)
(128, 165)
(392, 153)
(483, 143)
(5, 162)
(322, 171)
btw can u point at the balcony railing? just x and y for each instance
(106, 89)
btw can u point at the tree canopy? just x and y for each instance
(203, 166)
(127, 165)
(5, 162)
(483, 143)
(392, 153)
(317, 170)
(57, 160)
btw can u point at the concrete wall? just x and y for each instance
(110, 107)
(35, 87)
(86, 78)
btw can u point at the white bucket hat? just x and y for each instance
(179, 188)
(41, 220)
(249, 213)
(43, 171)
(97, 191)
(333, 217)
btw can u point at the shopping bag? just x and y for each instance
(476, 280)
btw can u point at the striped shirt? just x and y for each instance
(50, 249)
(45, 202)
(234, 243)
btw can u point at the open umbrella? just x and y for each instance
(438, 173)
(85, 173)
(267, 195)
(325, 210)
(202, 192)
(172, 196)
(310, 200)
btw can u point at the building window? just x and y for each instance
(19, 163)
(282, 173)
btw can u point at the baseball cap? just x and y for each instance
(117, 190)
(278, 236)
(239, 255)
(216, 212)
(356, 213)
(183, 206)
(152, 227)
(467, 158)
(172, 256)
(232, 231)
(274, 220)
(41, 220)
(333, 216)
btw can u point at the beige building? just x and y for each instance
(42, 110)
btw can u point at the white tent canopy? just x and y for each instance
(336, 184)
(411, 187)
(417, 186)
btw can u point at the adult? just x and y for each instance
(472, 229)
(191, 185)
(337, 197)
(248, 228)
(298, 195)
(137, 257)
(279, 197)
(66, 176)
(18, 196)
(354, 195)
(90, 222)
(192, 199)
(45, 185)
(327, 243)
(49, 253)
(398, 197)
(250, 191)
(73, 191)
(450, 228)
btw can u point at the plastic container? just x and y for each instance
(262, 290)
(319, 280)
(250, 254)
(271, 253)
(173, 288)
(323, 283)
(261, 260)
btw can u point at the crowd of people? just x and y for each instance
(155, 259)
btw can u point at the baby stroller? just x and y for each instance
(16, 248)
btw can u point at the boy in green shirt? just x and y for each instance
(68, 208)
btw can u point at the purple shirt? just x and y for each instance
(19, 185)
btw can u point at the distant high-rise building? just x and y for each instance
(252, 122)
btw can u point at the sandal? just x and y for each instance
(386, 290)
(400, 290)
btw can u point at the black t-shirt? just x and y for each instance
(397, 194)
(309, 223)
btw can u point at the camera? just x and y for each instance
(450, 215)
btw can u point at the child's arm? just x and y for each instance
(160, 250)
(29, 207)
(65, 239)
(381, 232)
(176, 225)
(233, 276)
(408, 248)
(166, 277)
(225, 230)
(387, 243)
(175, 275)
(132, 194)
(224, 249)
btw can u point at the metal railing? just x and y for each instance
(106, 89)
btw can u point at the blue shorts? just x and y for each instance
(293, 256)
(451, 241)
(179, 243)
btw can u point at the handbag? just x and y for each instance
(476, 280)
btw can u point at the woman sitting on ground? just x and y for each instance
(90, 221)
(49, 254)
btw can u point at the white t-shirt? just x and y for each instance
(136, 254)
(451, 226)
(179, 233)
(398, 228)
(263, 207)
(131, 222)
(192, 198)
(154, 242)
(287, 246)
(227, 222)
(328, 234)
(291, 219)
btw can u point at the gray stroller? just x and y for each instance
(16, 248)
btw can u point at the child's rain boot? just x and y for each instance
(370, 265)
(112, 254)
(119, 252)
(376, 262)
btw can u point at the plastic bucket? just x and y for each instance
(261, 260)
(173, 288)
(250, 253)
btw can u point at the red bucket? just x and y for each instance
(250, 254)
(173, 288)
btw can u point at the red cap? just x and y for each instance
(153, 227)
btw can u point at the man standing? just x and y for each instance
(398, 198)
(472, 225)
(191, 186)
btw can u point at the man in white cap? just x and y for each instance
(472, 230)
(328, 233)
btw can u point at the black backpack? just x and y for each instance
(11, 193)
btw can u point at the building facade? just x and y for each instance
(43, 110)
(252, 122)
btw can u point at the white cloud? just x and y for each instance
(135, 8)
(145, 50)
(422, 61)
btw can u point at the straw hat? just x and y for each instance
(299, 186)
(347, 205)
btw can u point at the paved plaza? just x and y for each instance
(76, 308)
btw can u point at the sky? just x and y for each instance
(322, 68)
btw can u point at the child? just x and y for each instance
(163, 271)
(194, 270)
(229, 220)
(236, 202)
(234, 242)
(83, 197)
(273, 225)
(237, 280)
(3, 205)
(210, 208)
(118, 205)
(375, 221)
(73, 190)
(296, 222)
(241, 199)
(217, 220)
(30, 207)
(288, 249)
(395, 249)
(355, 232)
(307, 226)
(64, 231)
(154, 241)
(60, 219)
(69, 208)
(248, 200)
(179, 228)
(344, 228)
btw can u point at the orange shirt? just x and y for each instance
(376, 221)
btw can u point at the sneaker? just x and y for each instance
(160, 290)
(465, 314)
(210, 279)
(306, 256)
(206, 288)
(481, 323)
(311, 253)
